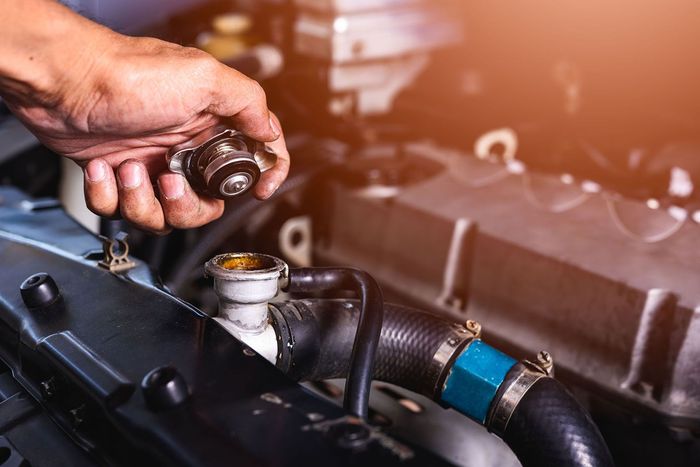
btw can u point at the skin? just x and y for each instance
(115, 105)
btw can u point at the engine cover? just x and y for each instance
(620, 317)
(135, 376)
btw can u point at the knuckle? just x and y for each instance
(194, 215)
(134, 216)
(100, 210)
(180, 222)
(206, 66)
(257, 93)
(191, 52)
(141, 216)
(100, 206)
(214, 214)
(179, 216)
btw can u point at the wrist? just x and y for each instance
(49, 50)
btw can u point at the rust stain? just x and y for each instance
(244, 263)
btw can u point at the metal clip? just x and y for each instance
(473, 327)
(545, 362)
(502, 410)
(116, 254)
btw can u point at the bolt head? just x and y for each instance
(545, 362)
(544, 357)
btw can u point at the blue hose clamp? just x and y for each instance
(475, 378)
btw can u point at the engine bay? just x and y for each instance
(485, 254)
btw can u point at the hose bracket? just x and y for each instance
(116, 254)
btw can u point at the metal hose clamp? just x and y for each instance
(502, 411)
(445, 355)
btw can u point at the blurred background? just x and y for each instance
(531, 165)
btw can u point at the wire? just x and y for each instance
(558, 208)
(656, 238)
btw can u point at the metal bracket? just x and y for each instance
(296, 242)
(454, 292)
(116, 254)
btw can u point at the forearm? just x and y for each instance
(42, 44)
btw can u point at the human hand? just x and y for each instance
(122, 102)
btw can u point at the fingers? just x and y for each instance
(243, 100)
(101, 194)
(273, 178)
(131, 194)
(137, 201)
(183, 208)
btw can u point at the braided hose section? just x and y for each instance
(409, 340)
(550, 428)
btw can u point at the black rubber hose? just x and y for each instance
(323, 332)
(550, 428)
(369, 328)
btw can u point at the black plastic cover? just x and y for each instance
(85, 364)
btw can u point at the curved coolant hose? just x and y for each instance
(550, 428)
(369, 328)
(323, 332)
(546, 426)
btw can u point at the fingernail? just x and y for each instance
(96, 171)
(275, 129)
(172, 186)
(130, 175)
